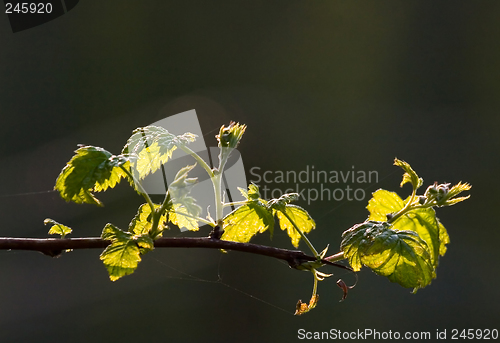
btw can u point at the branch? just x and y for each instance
(55, 246)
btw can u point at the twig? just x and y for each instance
(54, 246)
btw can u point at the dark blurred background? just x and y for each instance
(333, 84)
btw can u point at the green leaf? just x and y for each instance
(458, 188)
(253, 192)
(182, 185)
(184, 210)
(443, 238)
(123, 255)
(153, 146)
(449, 199)
(300, 217)
(410, 175)
(382, 203)
(180, 188)
(249, 219)
(90, 169)
(143, 220)
(401, 256)
(185, 217)
(57, 228)
(423, 221)
(246, 221)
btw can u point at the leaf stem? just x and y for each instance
(315, 287)
(203, 220)
(141, 189)
(409, 207)
(200, 160)
(217, 182)
(155, 231)
(215, 176)
(336, 257)
(235, 203)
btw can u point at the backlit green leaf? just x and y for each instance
(182, 184)
(184, 210)
(458, 188)
(123, 255)
(57, 228)
(143, 220)
(300, 217)
(253, 192)
(401, 256)
(92, 169)
(423, 221)
(246, 221)
(382, 203)
(185, 217)
(153, 146)
(450, 199)
(180, 189)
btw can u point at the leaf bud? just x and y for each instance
(438, 192)
(230, 136)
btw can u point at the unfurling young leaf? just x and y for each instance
(401, 256)
(282, 201)
(57, 228)
(252, 193)
(409, 175)
(153, 146)
(184, 210)
(123, 255)
(182, 184)
(92, 169)
(443, 195)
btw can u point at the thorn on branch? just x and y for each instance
(52, 253)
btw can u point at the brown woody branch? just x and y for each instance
(54, 247)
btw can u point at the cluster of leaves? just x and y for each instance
(93, 169)
(258, 215)
(401, 239)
